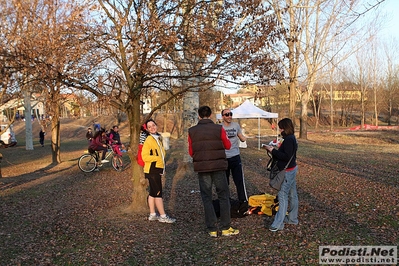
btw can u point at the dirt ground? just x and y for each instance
(348, 185)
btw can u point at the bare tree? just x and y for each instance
(324, 20)
(46, 43)
(375, 76)
(313, 25)
(290, 20)
(366, 75)
(135, 38)
(391, 80)
(148, 45)
(140, 45)
(232, 39)
(15, 67)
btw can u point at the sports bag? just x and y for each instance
(263, 204)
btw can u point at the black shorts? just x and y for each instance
(155, 179)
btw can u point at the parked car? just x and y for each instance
(7, 137)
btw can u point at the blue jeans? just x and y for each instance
(287, 194)
(206, 180)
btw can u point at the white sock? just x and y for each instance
(163, 215)
(153, 214)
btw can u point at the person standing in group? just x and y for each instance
(89, 135)
(207, 143)
(287, 213)
(235, 135)
(153, 154)
(41, 137)
(97, 144)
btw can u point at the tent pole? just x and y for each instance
(258, 133)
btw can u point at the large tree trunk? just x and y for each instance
(53, 99)
(165, 118)
(139, 194)
(190, 118)
(55, 139)
(293, 83)
(293, 57)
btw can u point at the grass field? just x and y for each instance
(348, 185)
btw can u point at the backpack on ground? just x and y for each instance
(263, 204)
(238, 209)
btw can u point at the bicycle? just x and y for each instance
(90, 161)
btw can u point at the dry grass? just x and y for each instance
(56, 215)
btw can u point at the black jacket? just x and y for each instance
(284, 153)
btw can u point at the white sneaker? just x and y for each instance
(153, 217)
(104, 161)
(166, 219)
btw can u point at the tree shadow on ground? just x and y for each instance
(25, 179)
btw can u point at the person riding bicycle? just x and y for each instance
(115, 140)
(97, 144)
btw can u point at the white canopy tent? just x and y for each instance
(248, 110)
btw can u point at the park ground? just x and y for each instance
(348, 184)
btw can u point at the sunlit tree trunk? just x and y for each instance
(317, 103)
(293, 58)
(55, 110)
(374, 69)
(291, 41)
(304, 115)
(331, 105)
(190, 118)
(55, 140)
(165, 118)
(28, 120)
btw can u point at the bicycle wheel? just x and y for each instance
(87, 163)
(117, 162)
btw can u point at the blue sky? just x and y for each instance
(391, 8)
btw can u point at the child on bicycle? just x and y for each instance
(97, 144)
(115, 141)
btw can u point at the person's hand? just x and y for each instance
(269, 148)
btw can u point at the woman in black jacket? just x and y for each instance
(288, 192)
